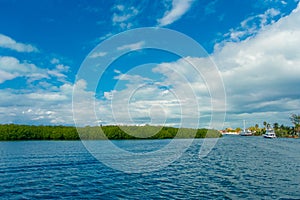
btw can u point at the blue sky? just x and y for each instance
(254, 44)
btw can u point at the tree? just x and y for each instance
(275, 125)
(238, 129)
(265, 123)
(295, 119)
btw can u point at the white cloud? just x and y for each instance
(210, 7)
(104, 37)
(109, 95)
(39, 106)
(62, 68)
(47, 100)
(11, 68)
(131, 77)
(97, 54)
(59, 72)
(252, 25)
(55, 61)
(84, 104)
(136, 104)
(120, 7)
(4, 76)
(12, 64)
(261, 77)
(261, 73)
(172, 96)
(52, 105)
(47, 96)
(117, 71)
(131, 47)
(191, 81)
(7, 42)
(179, 8)
(123, 16)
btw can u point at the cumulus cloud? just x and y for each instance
(261, 77)
(49, 105)
(59, 72)
(172, 98)
(42, 107)
(85, 105)
(11, 68)
(139, 104)
(9, 43)
(47, 100)
(179, 8)
(261, 74)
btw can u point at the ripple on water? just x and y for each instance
(237, 168)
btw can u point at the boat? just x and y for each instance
(246, 132)
(269, 134)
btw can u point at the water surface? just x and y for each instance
(238, 167)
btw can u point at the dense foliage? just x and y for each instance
(295, 119)
(26, 132)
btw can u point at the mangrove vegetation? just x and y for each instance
(31, 132)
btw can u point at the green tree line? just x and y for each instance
(31, 132)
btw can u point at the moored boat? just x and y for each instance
(246, 132)
(269, 134)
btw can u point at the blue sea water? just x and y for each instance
(236, 168)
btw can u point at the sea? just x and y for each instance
(235, 168)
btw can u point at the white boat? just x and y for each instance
(269, 134)
(246, 132)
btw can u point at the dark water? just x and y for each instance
(237, 168)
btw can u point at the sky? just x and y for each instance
(48, 47)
